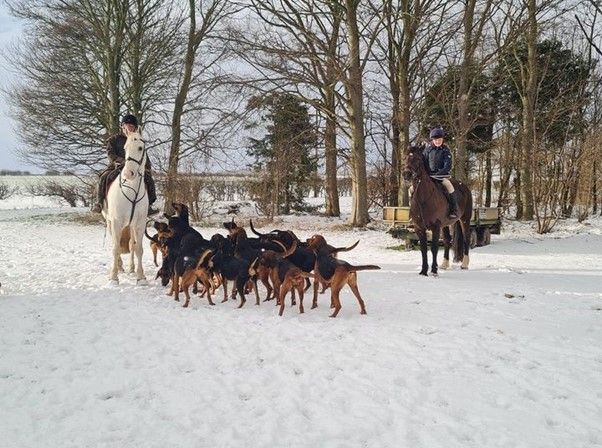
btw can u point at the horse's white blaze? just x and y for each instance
(119, 207)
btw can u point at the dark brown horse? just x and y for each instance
(429, 211)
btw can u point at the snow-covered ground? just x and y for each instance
(507, 354)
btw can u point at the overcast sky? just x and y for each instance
(10, 29)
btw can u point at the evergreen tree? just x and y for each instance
(283, 156)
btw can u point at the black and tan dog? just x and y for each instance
(196, 269)
(284, 275)
(157, 241)
(334, 273)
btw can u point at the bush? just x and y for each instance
(74, 194)
(6, 191)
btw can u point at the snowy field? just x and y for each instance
(507, 354)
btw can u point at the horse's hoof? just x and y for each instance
(424, 273)
(465, 268)
(142, 282)
(114, 282)
(444, 265)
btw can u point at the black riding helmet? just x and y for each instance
(437, 133)
(129, 119)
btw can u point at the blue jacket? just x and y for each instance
(438, 160)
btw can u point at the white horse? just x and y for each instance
(126, 208)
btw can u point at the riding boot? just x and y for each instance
(100, 194)
(152, 193)
(453, 205)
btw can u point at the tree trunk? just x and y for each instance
(488, 178)
(528, 146)
(178, 110)
(461, 164)
(330, 145)
(359, 212)
(594, 188)
(404, 133)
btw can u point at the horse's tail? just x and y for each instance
(124, 241)
(458, 242)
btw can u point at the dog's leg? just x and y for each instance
(352, 282)
(256, 291)
(336, 287)
(307, 283)
(225, 285)
(300, 290)
(314, 302)
(154, 251)
(293, 297)
(208, 289)
(241, 284)
(283, 291)
(176, 287)
(266, 282)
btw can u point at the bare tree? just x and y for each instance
(210, 14)
(415, 36)
(77, 64)
(296, 48)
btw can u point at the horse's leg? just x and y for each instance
(466, 231)
(138, 236)
(435, 248)
(424, 250)
(446, 246)
(116, 236)
(132, 268)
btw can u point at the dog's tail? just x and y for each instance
(346, 249)
(253, 229)
(152, 238)
(124, 241)
(365, 267)
(253, 267)
(290, 250)
(204, 256)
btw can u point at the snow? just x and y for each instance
(506, 354)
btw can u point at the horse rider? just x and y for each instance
(438, 160)
(116, 154)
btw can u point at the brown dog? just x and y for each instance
(334, 273)
(157, 242)
(200, 271)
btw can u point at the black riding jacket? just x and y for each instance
(438, 160)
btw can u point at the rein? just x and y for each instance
(123, 184)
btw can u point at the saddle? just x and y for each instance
(110, 174)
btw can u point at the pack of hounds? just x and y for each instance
(278, 259)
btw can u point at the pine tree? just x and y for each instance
(283, 157)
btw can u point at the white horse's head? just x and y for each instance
(135, 156)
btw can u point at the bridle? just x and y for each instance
(139, 162)
(123, 182)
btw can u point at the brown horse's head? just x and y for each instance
(414, 164)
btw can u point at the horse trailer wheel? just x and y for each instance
(473, 238)
(486, 237)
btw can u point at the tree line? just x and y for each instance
(298, 88)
